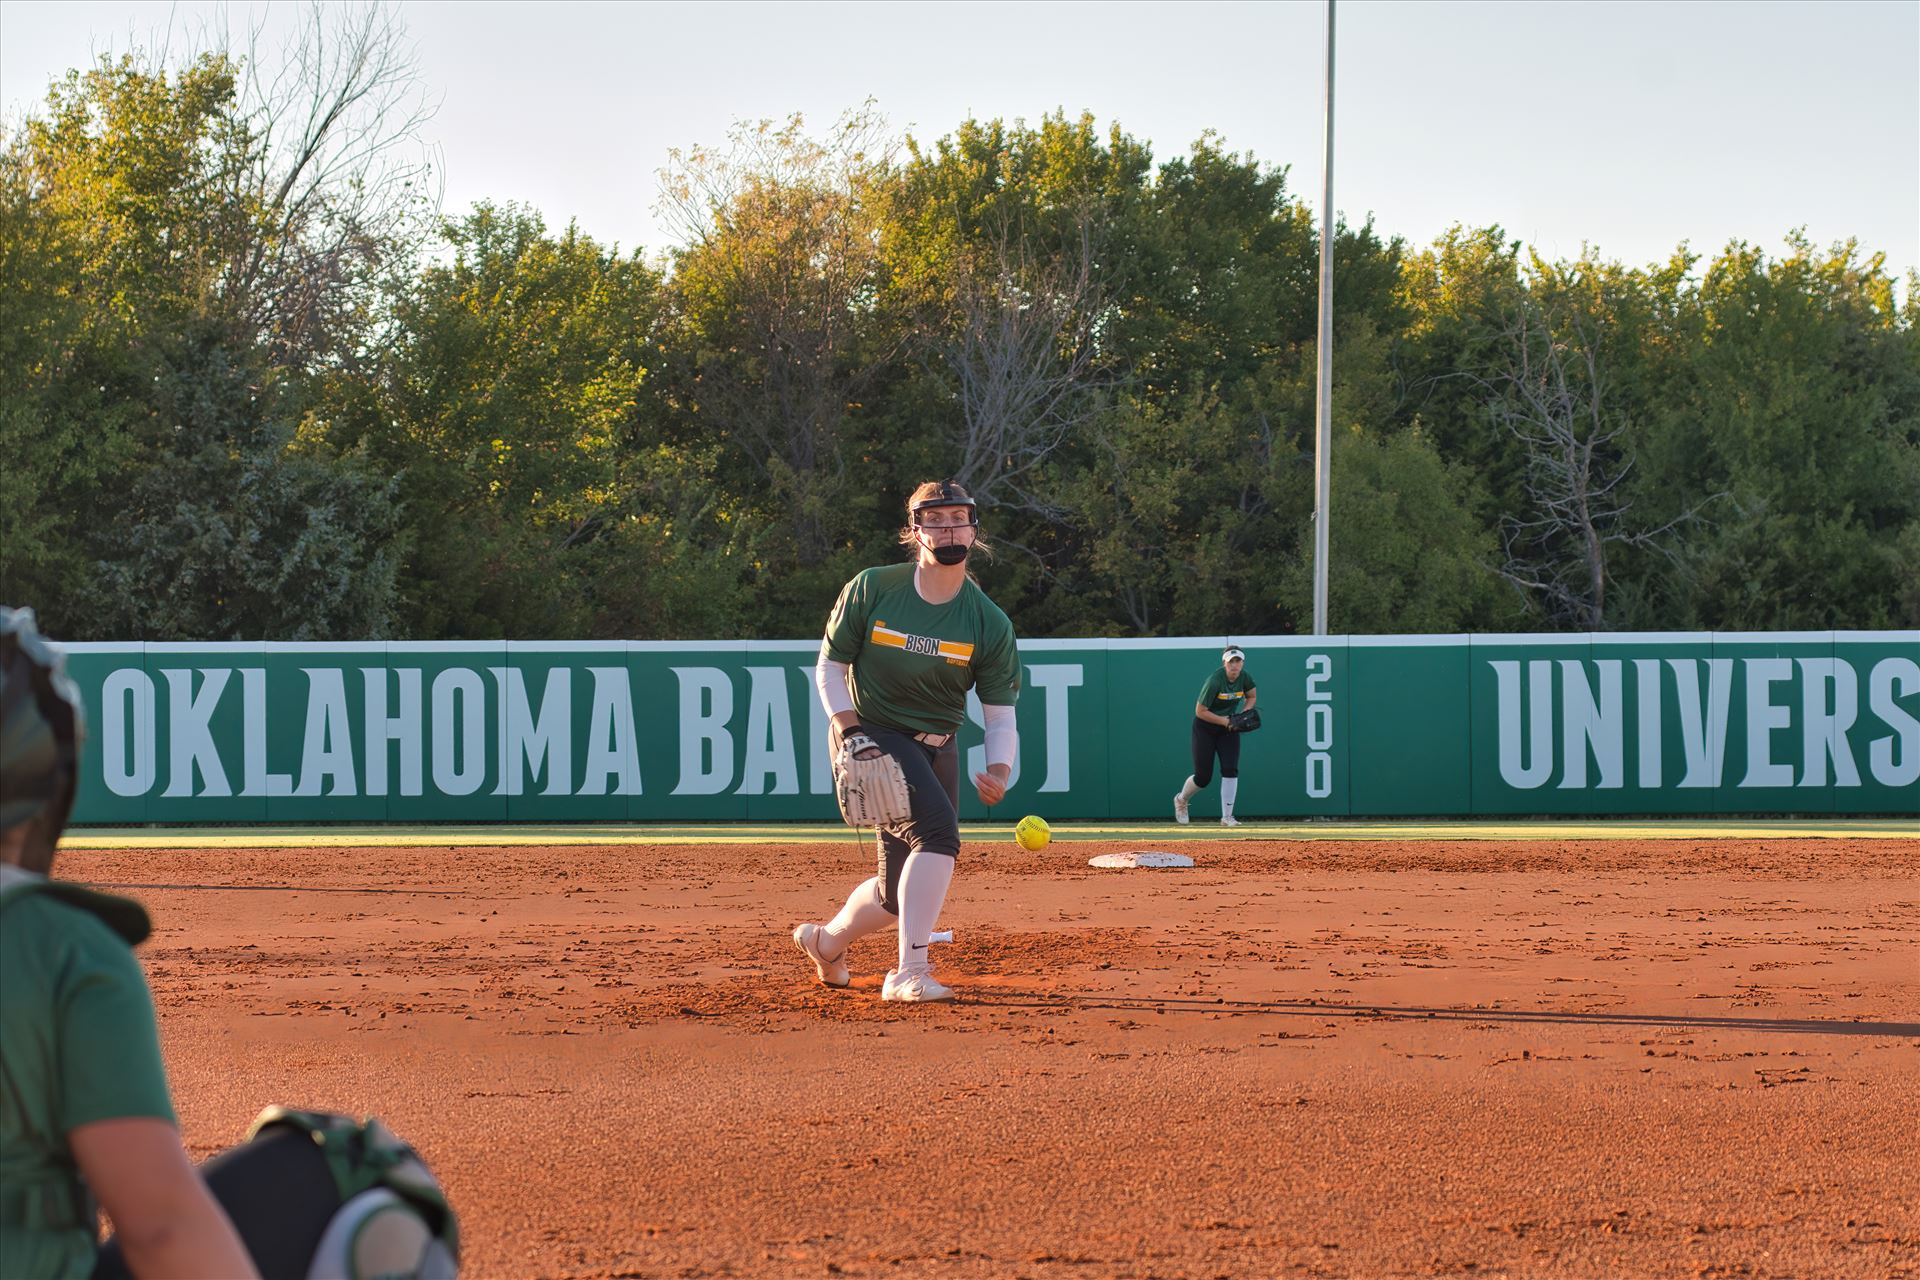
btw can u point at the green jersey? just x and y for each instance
(77, 1044)
(1222, 696)
(913, 662)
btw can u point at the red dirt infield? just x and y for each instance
(1690, 1057)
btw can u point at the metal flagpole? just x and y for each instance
(1323, 396)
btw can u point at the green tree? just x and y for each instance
(238, 403)
(1460, 295)
(1806, 396)
(138, 204)
(92, 189)
(771, 321)
(1007, 248)
(231, 528)
(516, 409)
(1407, 554)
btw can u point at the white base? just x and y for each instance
(1141, 858)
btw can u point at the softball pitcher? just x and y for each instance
(903, 645)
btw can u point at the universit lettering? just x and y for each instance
(1573, 723)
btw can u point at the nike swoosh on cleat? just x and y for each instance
(919, 946)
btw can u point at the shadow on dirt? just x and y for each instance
(280, 888)
(1520, 1017)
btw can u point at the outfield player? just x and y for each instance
(904, 644)
(86, 1121)
(1227, 691)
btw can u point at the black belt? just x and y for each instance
(934, 740)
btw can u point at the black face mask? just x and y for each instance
(952, 553)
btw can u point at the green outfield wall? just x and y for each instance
(1802, 722)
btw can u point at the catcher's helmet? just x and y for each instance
(943, 493)
(40, 725)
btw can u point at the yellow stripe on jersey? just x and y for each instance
(953, 651)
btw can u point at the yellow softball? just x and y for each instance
(1032, 833)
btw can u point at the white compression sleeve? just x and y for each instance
(830, 678)
(1003, 736)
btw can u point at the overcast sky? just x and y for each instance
(1631, 126)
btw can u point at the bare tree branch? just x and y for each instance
(1022, 349)
(338, 185)
(778, 271)
(1553, 394)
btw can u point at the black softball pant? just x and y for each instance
(933, 786)
(1210, 740)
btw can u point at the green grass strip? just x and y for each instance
(308, 837)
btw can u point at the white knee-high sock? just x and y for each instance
(923, 891)
(1229, 788)
(1189, 789)
(862, 915)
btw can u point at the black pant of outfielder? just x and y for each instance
(933, 788)
(1211, 739)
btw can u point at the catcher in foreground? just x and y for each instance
(904, 644)
(86, 1117)
(1221, 714)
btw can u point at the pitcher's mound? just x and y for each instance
(1141, 858)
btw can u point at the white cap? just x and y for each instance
(1231, 652)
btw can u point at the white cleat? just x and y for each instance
(1229, 821)
(913, 988)
(832, 972)
(1180, 808)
